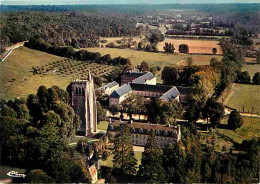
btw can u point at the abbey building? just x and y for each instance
(83, 101)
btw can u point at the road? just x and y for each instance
(10, 48)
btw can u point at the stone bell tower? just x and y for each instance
(83, 101)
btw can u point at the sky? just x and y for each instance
(64, 2)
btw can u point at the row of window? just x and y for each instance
(80, 91)
(157, 138)
(142, 143)
(150, 94)
(157, 132)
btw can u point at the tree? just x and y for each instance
(256, 78)
(155, 37)
(214, 62)
(124, 160)
(235, 120)
(183, 48)
(213, 110)
(144, 66)
(243, 77)
(170, 111)
(214, 51)
(101, 113)
(140, 46)
(193, 111)
(39, 176)
(169, 48)
(151, 169)
(258, 57)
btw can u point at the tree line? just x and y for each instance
(82, 55)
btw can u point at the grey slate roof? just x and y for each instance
(171, 94)
(132, 74)
(111, 84)
(150, 88)
(142, 79)
(126, 88)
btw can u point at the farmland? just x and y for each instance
(195, 46)
(18, 79)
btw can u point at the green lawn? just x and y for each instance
(136, 57)
(102, 125)
(17, 79)
(244, 95)
(249, 129)
(109, 161)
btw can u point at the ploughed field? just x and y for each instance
(195, 46)
(26, 69)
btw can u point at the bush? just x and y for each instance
(256, 78)
(235, 120)
(243, 77)
(39, 176)
(183, 48)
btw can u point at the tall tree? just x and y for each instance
(124, 160)
(151, 169)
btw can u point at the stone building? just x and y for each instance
(83, 101)
(110, 87)
(140, 132)
(138, 78)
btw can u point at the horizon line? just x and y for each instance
(68, 4)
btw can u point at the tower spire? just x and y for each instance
(89, 78)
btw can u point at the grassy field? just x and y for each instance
(136, 57)
(154, 59)
(18, 80)
(252, 69)
(109, 161)
(195, 46)
(102, 125)
(246, 95)
(249, 129)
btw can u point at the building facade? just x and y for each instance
(83, 101)
(140, 132)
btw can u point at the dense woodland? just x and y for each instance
(76, 29)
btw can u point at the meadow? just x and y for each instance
(251, 68)
(244, 95)
(18, 80)
(154, 59)
(249, 129)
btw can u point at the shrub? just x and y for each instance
(243, 77)
(256, 78)
(235, 120)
